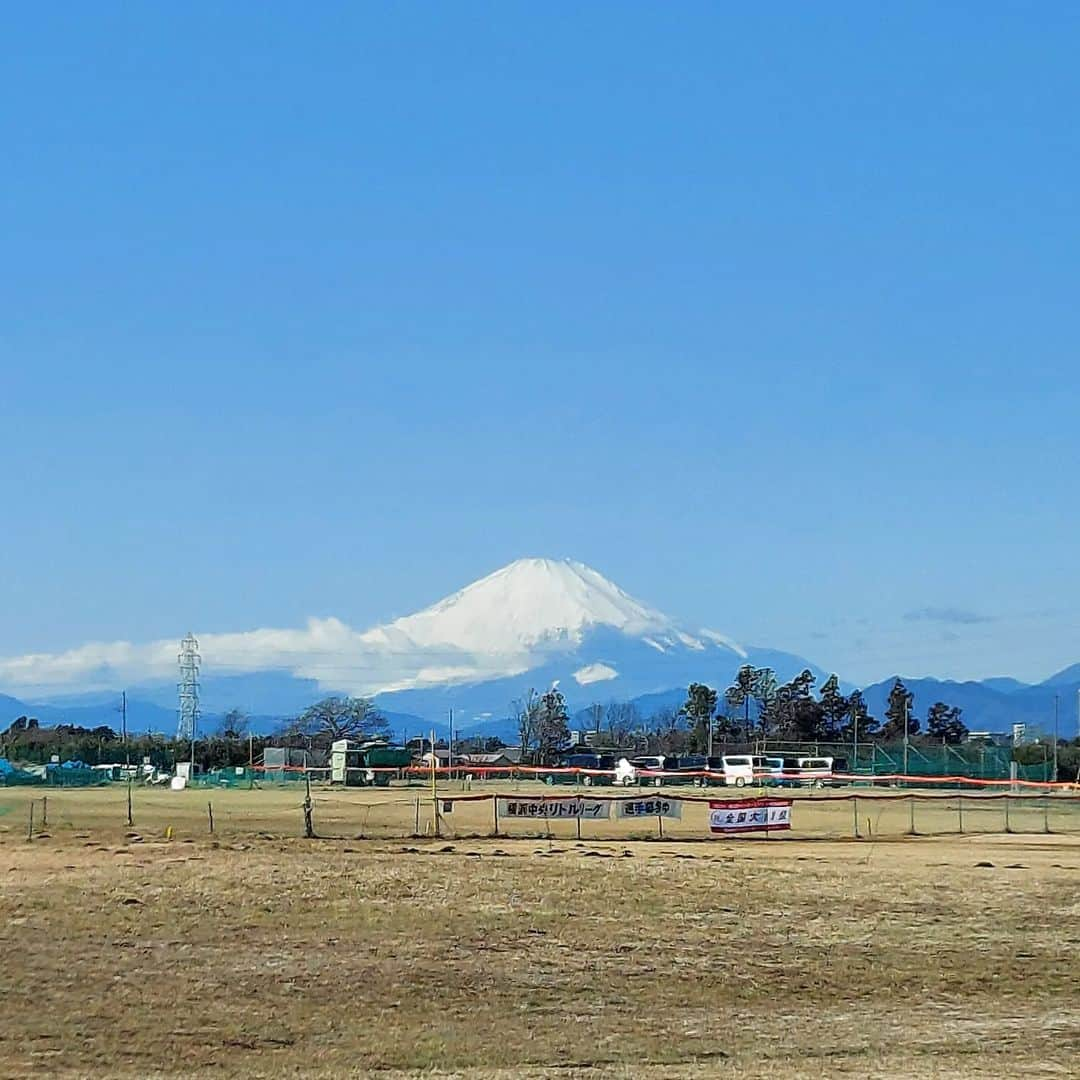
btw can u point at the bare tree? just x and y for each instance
(623, 723)
(527, 714)
(340, 718)
(234, 724)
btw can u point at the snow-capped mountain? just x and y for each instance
(532, 624)
(539, 622)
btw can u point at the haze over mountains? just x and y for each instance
(533, 623)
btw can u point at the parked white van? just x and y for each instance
(738, 769)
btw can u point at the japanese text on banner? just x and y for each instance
(649, 808)
(750, 815)
(555, 809)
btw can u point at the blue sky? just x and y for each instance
(329, 310)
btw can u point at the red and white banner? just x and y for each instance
(749, 815)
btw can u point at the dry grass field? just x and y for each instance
(259, 953)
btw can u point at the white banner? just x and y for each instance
(749, 815)
(652, 807)
(555, 809)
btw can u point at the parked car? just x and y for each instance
(603, 764)
(807, 772)
(646, 764)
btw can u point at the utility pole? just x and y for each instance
(907, 725)
(1053, 774)
(854, 737)
(450, 744)
(123, 726)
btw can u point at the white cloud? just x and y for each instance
(594, 673)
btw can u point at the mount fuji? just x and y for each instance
(538, 623)
(535, 623)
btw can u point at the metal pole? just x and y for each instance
(907, 724)
(123, 725)
(855, 744)
(1053, 774)
(434, 785)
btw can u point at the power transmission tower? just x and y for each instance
(189, 690)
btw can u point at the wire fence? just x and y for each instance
(527, 810)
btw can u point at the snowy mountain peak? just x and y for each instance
(529, 603)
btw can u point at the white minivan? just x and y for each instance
(738, 769)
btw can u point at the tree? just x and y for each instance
(667, 732)
(797, 714)
(699, 709)
(596, 716)
(336, 718)
(898, 713)
(764, 693)
(234, 724)
(552, 728)
(623, 723)
(835, 709)
(739, 695)
(858, 723)
(527, 714)
(943, 723)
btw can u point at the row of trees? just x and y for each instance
(757, 707)
(228, 743)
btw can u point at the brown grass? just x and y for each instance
(241, 955)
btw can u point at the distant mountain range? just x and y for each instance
(532, 624)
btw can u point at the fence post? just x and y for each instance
(210, 814)
(1046, 814)
(495, 812)
(131, 820)
(416, 832)
(44, 811)
(960, 812)
(1008, 827)
(911, 815)
(309, 828)
(855, 814)
(660, 826)
(30, 827)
